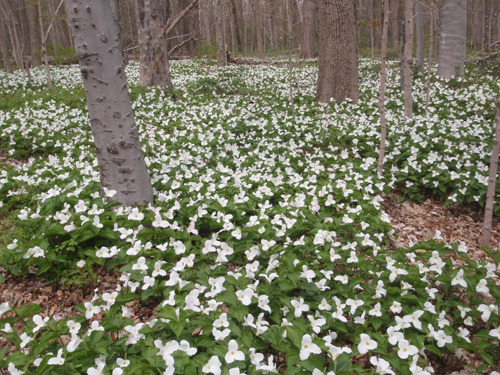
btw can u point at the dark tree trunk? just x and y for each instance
(4, 45)
(309, 10)
(35, 38)
(395, 22)
(153, 49)
(338, 58)
(119, 154)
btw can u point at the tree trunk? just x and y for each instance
(258, 29)
(490, 194)
(452, 38)
(35, 40)
(4, 45)
(394, 21)
(221, 43)
(25, 29)
(115, 8)
(338, 58)
(205, 21)
(237, 30)
(381, 101)
(119, 154)
(429, 61)
(408, 58)
(478, 23)
(309, 10)
(153, 48)
(487, 25)
(419, 21)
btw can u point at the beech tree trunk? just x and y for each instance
(258, 29)
(338, 57)
(408, 58)
(419, 27)
(219, 32)
(490, 194)
(452, 38)
(309, 10)
(153, 48)
(119, 154)
(381, 102)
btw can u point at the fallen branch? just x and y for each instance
(485, 58)
(171, 52)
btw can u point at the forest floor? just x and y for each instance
(412, 221)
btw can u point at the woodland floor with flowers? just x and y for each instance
(272, 247)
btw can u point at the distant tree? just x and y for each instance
(419, 28)
(338, 57)
(408, 59)
(153, 29)
(452, 38)
(309, 10)
(121, 162)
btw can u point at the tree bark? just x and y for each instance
(25, 28)
(205, 21)
(219, 32)
(338, 58)
(4, 45)
(309, 10)
(394, 21)
(258, 29)
(237, 30)
(490, 194)
(419, 27)
(381, 102)
(35, 39)
(153, 48)
(408, 58)
(119, 154)
(452, 38)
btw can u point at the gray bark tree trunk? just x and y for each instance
(153, 48)
(408, 58)
(119, 154)
(490, 194)
(381, 102)
(419, 27)
(258, 29)
(338, 57)
(309, 10)
(452, 38)
(219, 32)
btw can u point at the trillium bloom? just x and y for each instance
(481, 286)
(442, 338)
(233, 354)
(308, 347)
(394, 335)
(13, 370)
(58, 360)
(382, 366)
(213, 366)
(459, 279)
(91, 310)
(405, 349)
(245, 296)
(366, 344)
(495, 333)
(300, 307)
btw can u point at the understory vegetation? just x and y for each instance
(266, 248)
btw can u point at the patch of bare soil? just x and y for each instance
(417, 222)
